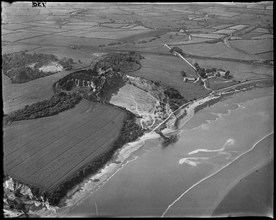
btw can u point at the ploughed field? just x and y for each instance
(45, 152)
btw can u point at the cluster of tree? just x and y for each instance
(114, 43)
(176, 49)
(183, 73)
(66, 63)
(130, 131)
(176, 103)
(111, 85)
(227, 75)
(200, 71)
(172, 93)
(19, 59)
(207, 104)
(111, 44)
(106, 84)
(24, 74)
(123, 62)
(58, 103)
(15, 65)
(175, 99)
(144, 41)
(211, 70)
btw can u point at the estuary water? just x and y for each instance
(158, 181)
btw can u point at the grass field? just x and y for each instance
(12, 37)
(55, 40)
(225, 31)
(267, 55)
(264, 36)
(167, 70)
(16, 47)
(110, 34)
(238, 27)
(211, 36)
(194, 40)
(214, 50)
(45, 152)
(16, 96)
(254, 46)
(219, 83)
(84, 55)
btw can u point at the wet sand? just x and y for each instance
(202, 198)
(251, 196)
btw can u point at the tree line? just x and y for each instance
(57, 103)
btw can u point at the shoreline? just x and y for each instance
(89, 186)
(122, 154)
(128, 149)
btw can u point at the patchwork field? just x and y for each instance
(45, 152)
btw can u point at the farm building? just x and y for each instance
(220, 72)
(189, 79)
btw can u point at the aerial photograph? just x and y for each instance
(128, 109)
